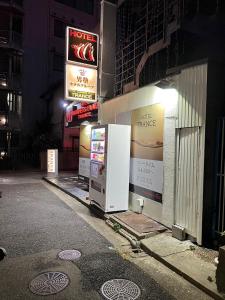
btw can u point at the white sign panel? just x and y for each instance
(52, 160)
(147, 174)
(84, 167)
(80, 83)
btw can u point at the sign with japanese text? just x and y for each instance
(146, 169)
(81, 47)
(52, 161)
(80, 83)
(76, 114)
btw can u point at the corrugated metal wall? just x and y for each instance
(191, 87)
(187, 192)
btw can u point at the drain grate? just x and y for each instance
(69, 254)
(49, 283)
(120, 289)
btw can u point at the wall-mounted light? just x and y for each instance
(165, 83)
(2, 120)
(167, 97)
(3, 83)
(2, 154)
(166, 94)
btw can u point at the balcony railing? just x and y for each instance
(12, 2)
(10, 39)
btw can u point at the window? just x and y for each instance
(16, 64)
(86, 6)
(58, 62)
(14, 102)
(17, 24)
(59, 29)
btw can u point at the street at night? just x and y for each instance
(112, 149)
(37, 221)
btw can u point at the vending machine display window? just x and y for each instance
(98, 146)
(98, 134)
(98, 157)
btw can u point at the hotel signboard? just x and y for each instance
(80, 83)
(81, 65)
(81, 47)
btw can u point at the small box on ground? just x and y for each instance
(178, 232)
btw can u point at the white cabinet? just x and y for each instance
(109, 167)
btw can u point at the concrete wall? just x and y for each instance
(117, 111)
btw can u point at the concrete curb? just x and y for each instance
(67, 192)
(183, 274)
(202, 287)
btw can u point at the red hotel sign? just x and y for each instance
(82, 47)
(78, 115)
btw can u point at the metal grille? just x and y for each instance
(141, 24)
(220, 178)
(69, 255)
(49, 283)
(120, 289)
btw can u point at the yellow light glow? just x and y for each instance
(167, 97)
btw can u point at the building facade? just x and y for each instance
(32, 51)
(167, 53)
(11, 58)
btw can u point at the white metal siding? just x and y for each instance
(187, 174)
(191, 85)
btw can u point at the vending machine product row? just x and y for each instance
(109, 167)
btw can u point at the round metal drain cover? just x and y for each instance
(49, 283)
(69, 254)
(120, 289)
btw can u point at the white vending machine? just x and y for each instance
(109, 167)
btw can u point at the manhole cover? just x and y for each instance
(120, 289)
(49, 283)
(69, 254)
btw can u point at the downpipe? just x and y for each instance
(135, 244)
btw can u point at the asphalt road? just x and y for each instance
(35, 225)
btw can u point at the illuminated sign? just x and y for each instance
(52, 159)
(80, 83)
(82, 47)
(75, 116)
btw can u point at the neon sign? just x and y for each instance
(82, 47)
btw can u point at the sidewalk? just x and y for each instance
(194, 263)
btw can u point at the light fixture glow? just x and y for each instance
(167, 97)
